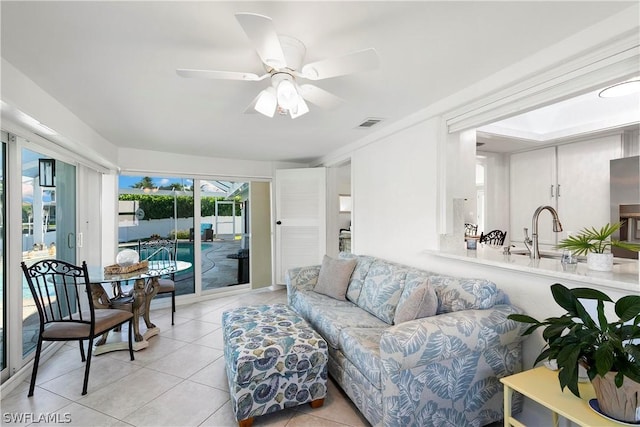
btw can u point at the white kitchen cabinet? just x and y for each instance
(583, 182)
(533, 180)
(572, 178)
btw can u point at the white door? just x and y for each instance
(533, 177)
(300, 218)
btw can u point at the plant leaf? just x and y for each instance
(588, 293)
(522, 318)
(604, 358)
(563, 296)
(628, 307)
(595, 240)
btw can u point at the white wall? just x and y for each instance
(145, 161)
(395, 195)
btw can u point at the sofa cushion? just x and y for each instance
(362, 347)
(329, 319)
(334, 276)
(382, 289)
(418, 299)
(304, 302)
(455, 293)
(358, 276)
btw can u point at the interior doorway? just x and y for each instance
(345, 206)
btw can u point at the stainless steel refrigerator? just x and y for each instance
(625, 201)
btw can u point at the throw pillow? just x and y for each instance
(416, 303)
(358, 276)
(382, 289)
(457, 293)
(334, 276)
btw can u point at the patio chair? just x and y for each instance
(62, 295)
(470, 229)
(162, 250)
(494, 237)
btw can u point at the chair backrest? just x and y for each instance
(470, 229)
(159, 250)
(494, 237)
(61, 291)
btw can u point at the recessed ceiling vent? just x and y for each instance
(371, 121)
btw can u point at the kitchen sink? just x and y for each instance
(552, 255)
(543, 254)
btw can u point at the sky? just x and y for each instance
(129, 181)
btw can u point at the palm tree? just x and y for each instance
(146, 182)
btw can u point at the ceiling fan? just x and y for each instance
(282, 57)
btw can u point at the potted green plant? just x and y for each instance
(606, 349)
(596, 244)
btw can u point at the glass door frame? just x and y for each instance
(4, 370)
(13, 256)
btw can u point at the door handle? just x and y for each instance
(552, 191)
(278, 222)
(558, 190)
(70, 240)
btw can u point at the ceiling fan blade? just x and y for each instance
(300, 109)
(320, 97)
(265, 103)
(223, 75)
(361, 60)
(262, 33)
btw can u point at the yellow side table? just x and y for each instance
(542, 385)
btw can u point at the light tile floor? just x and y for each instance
(179, 380)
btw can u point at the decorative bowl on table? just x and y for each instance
(127, 257)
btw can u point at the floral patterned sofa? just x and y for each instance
(442, 369)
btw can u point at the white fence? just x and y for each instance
(141, 229)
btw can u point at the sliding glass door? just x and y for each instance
(38, 215)
(158, 207)
(48, 225)
(224, 234)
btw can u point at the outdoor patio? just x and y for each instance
(217, 270)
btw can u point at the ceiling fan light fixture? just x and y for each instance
(287, 94)
(621, 89)
(267, 102)
(300, 109)
(283, 59)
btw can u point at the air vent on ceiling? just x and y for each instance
(371, 121)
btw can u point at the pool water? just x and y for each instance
(184, 252)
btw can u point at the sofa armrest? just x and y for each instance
(301, 279)
(448, 336)
(446, 367)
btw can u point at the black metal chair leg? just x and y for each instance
(82, 350)
(130, 338)
(173, 305)
(34, 373)
(86, 369)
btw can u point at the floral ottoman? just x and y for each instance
(274, 360)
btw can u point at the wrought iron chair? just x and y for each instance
(470, 229)
(162, 250)
(62, 295)
(494, 237)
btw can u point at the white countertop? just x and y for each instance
(624, 275)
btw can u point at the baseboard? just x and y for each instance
(24, 373)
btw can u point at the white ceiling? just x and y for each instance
(113, 64)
